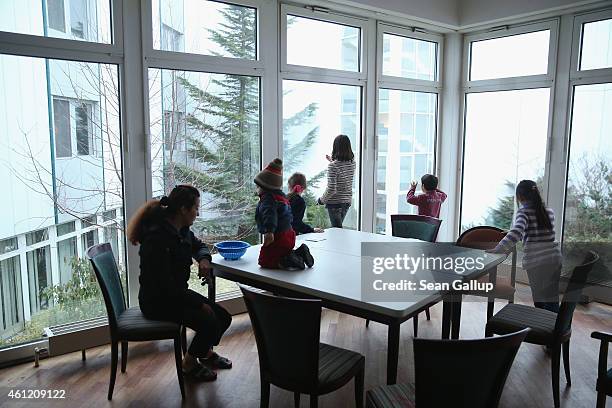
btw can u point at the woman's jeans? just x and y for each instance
(337, 213)
(544, 281)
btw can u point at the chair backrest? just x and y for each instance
(287, 333)
(415, 226)
(463, 373)
(486, 237)
(105, 268)
(482, 237)
(573, 293)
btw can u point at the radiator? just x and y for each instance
(69, 337)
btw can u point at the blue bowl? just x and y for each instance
(232, 250)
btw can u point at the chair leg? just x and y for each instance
(113, 373)
(490, 308)
(184, 339)
(265, 395)
(359, 385)
(124, 355)
(566, 362)
(178, 357)
(601, 400)
(296, 399)
(367, 323)
(314, 400)
(427, 314)
(415, 324)
(555, 362)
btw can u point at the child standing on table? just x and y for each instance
(273, 216)
(297, 185)
(535, 226)
(340, 174)
(430, 202)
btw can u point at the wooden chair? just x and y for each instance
(604, 375)
(486, 237)
(453, 373)
(128, 324)
(547, 328)
(291, 357)
(418, 227)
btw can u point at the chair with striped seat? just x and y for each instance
(547, 328)
(291, 357)
(128, 324)
(453, 373)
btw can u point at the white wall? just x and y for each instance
(483, 11)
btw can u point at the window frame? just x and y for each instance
(312, 74)
(517, 82)
(576, 74)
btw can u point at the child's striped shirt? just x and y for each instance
(539, 244)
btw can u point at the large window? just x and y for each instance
(313, 115)
(505, 142)
(506, 122)
(62, 155)
(406, 120)
(588, 202)
(327, 49)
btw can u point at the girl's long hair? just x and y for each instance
(528, 190)
(342, 150)
(181, 196)
(296, 179)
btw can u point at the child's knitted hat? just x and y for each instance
(271, 178)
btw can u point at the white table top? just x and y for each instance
(335, 276)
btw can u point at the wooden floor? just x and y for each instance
(151, 381)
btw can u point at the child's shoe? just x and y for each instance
(304, 253)
(292, 260)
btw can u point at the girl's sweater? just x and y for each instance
(339, 189)
(539, 244)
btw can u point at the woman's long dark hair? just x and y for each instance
(181, 196)
(342, 149)
(528, 191)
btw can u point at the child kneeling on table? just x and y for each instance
(273, 216)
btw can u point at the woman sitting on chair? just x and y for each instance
(167, 250)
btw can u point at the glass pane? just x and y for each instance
(409, 128)
(596, 49)
(205, 27)
(589, 183)
(218, 152)
(8, 245)
(61, 124)
(409, 58)
(313, 115)
(512, 56)
(505, 142)
(11, 298)
(50, 193)
(83, 20)
(321, 44)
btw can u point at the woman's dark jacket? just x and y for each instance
(298, 208)
(166, 256)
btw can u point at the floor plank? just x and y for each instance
(151, 381)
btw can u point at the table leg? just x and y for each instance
(447, 309)
(456, 316)
(392, 352)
